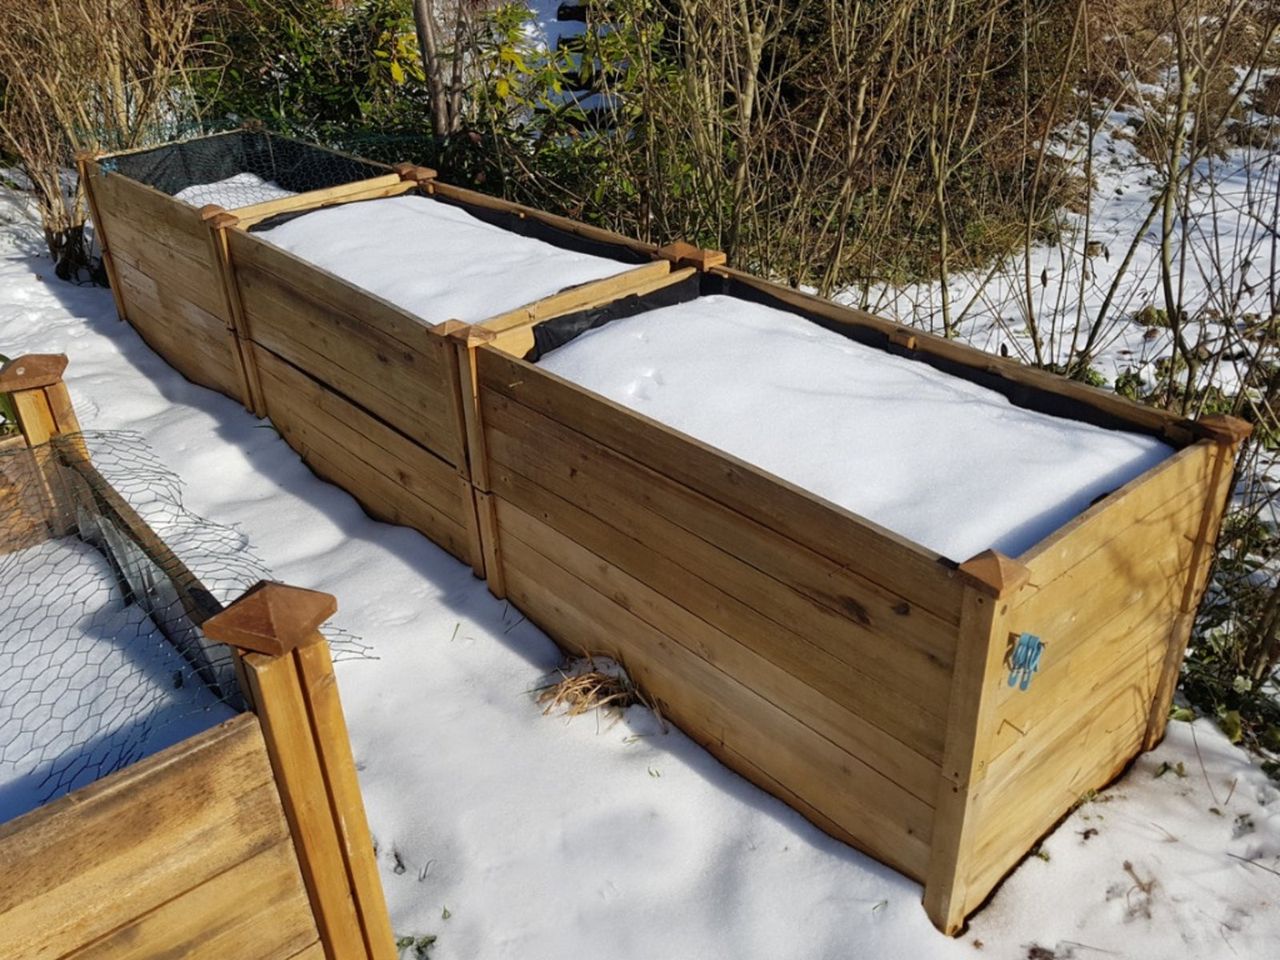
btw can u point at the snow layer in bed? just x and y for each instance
(434, 259)
(951, 465)
(86, 680)
(241, 190)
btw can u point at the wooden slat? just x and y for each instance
(1217, 495)
(850, 609)
(705, 700)
(132, 841)
(583, 296)
(970, 710)
(1076, 540)
(518, 340)
(392, 477)
(320, 689)
(169, 221)
(182, 276)
(385, 360)
(286, 727)
(820, 693)
(257, 910)
(757, 612)
(389, 184)
(90, 171)
(922, 578)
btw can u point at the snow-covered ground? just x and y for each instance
(507, 833)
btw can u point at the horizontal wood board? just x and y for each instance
(380, 357)
(156, 860)
(393, 478)
(1105, 599)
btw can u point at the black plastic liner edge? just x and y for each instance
(554, 333)
(292, 164)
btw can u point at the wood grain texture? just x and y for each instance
(388, 362)
(80, 867)
(286, 727)
(256, 910)
(814, 689)
(320, 690)
(884, 820)
(925, 580)
(392, 477)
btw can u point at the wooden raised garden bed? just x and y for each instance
(863, 678)
(365, 389)
(858, 676)
(245, 840)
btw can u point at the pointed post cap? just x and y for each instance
(32, 371)
(272, 618)
(995, 574)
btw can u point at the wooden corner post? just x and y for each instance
(682, 254)
(86, 165)
(291, 684)
(991, 581)
(219, 222)
(1228, 434)
(466, 339)
(40, 398)
(43, 410)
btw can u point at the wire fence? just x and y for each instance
(102, 660)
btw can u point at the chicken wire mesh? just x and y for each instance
(102, 660)
(240, 168)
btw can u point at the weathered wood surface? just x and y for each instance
(923, 580)
(387, 185)
(277, 696)
(394, 478)
(158, 851)
(713, 707)
(737, 574)
(1105, 597)
(377, 355)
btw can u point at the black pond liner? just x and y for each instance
(291, 164)
(554, 333)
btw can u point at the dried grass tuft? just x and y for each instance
(585, 685)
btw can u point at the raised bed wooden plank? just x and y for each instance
(200, 352)
(170, 221)
(181, 274)
(806, 687)
(1190, 468)
(527, 441)
(701, 698)
(925, 580)
(402, 374)
(391, 477)
(256, 910)
(756, 611)
(78, 867)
